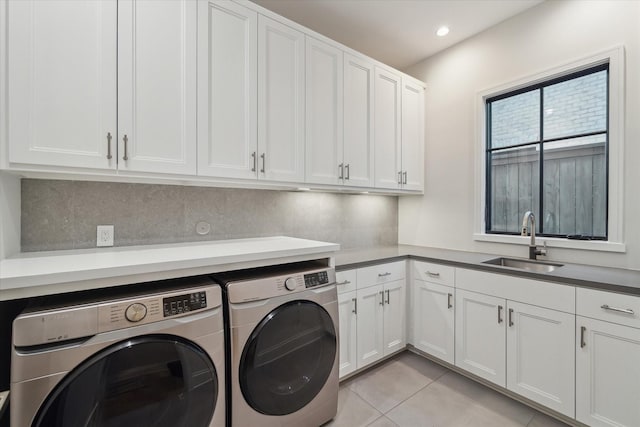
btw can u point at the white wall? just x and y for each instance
(544, 37)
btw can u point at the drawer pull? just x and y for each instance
(432, 274)
(619, 310)
(384, 274)
(346, 282)
(449, 296)
(583, 344)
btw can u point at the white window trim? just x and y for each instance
(615, 243)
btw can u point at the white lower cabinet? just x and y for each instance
(370, 324)
(394, 336)
(347, 313)
(433, 319)
(607, 373)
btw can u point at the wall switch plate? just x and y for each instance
(105, 235)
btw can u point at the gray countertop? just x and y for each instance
(604, 278)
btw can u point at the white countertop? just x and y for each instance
(42, 273)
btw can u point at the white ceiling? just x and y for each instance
(399, 33)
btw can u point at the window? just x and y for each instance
(547, 148)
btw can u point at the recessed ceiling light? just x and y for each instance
(442, 31)
(304, 189)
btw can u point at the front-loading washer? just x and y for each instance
(282, 345)
(143, 359)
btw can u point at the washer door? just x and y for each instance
(288, 358)
(153, 380)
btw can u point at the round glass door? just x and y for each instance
(154, 380)
(288, 358)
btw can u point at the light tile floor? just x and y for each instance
(409, 390)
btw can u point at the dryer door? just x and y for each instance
(153, 380)
(288, 358)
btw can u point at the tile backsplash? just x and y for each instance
(64, 214)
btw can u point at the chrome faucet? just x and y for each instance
(533, 249)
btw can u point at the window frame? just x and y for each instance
(615, 151)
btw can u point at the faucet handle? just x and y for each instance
(543, 250)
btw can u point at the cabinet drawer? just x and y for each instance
(434, 273)
(381, 273)
(346, 281)
(608, 306)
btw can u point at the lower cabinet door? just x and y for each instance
(607, 374)
(433, 319)
(370, 325)
(540, 356)
(480, 335)
(394, 316)
(347, 313)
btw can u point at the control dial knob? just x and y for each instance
(135, 312)
(290, 284)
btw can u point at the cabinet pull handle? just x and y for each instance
(264, 162)
(387, 302)
(432, 274)
(404, 177)
(381, 297)
(510, 317)
(583, 329)
(255, 161)
(346, 282)
(499, 314)
(341, 167)
(347, 172)
(125, 157)
(384, 274)
(449, 304)
(400, 177)
(109, 156)
(355, 305)
(616, 309)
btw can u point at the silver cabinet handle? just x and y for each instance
(384, 274)
(619, 310)
(125, 157)
(583, 343)
(341, 167)
(387, 302)
(432, 274)
(400, 177)
(109, 156)
(346, 282)
(255, 161)
(355, 305)
(263, 156)
(404, 177)
(346, 168)
(381, 297)
(500, 314)
(449, 304)
(510, 317)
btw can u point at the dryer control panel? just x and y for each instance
(180, 304)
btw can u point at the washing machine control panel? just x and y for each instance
(316, 279)
(180, 304)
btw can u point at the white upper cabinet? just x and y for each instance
(324, 146)
(157, 86)
(358, 122)
(387, 128)
(227, 90)
(61, 82)
(281, 101)
(412, 135)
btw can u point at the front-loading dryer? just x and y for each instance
(150, 359)
(283, 345)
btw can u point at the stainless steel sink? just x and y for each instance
(523, 264)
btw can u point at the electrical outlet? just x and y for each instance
(105, 235)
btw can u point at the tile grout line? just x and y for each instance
(413, 394)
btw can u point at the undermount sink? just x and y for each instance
(523, 264)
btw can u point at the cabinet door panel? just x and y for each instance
(323, 112)
(480, 335)
(607, 374)
(281, 101)
(370, 325)
(433, 319)
(227, 90)
(394, 316)
(412, 135)
(535, 337)
(358, 120)
(157, 85)
(387, 128)
(61, 82)
(348, 329)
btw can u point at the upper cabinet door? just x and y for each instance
(412, 135)
(61, 82)
(280, 101)
(227, 90)
(157, 86)
(358, 121)
(387, 129)
(323, 113)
